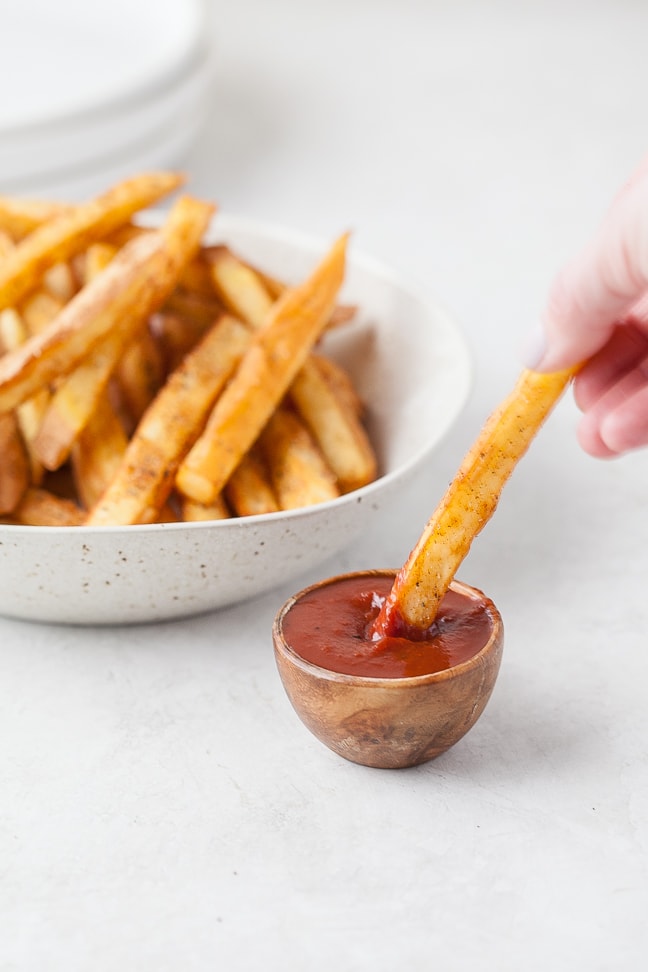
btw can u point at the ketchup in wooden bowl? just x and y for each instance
(386, 698)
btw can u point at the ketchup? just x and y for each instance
(332, 627)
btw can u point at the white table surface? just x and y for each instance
(162, 807)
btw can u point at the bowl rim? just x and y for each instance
(283, 649)
(283, 235)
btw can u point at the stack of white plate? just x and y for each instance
(95, 91)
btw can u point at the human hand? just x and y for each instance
(597, 312)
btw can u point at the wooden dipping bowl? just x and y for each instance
(389, 722)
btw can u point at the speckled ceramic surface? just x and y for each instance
(410, 364)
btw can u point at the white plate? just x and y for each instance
(71, 58)
(410, 363)
(37, 158)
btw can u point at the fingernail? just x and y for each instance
(534, 348)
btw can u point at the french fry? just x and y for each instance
(39, 507)
(19, 217)
(200, 512)
(261, 380)
(76, 397)
(175, 336)
(335, 426)
(98, 453)
(197, 308)
(39, 310)
(145, 477)
(341, 383)
(469, 502)
(298, 471)
(135, 283)
(232, 277)
(248, 490)
(140, 373)
(96, 258)
(29, 415)
(73, 231)
(14, 468)
(60, 282)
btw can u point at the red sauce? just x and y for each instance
(331, 626)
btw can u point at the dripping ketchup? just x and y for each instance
(332, 626)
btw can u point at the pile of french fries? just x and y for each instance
(148, 376)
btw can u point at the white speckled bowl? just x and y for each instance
(411, 366)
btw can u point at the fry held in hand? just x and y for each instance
(469, 502)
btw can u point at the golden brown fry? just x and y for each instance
(232, 277)
(71, 232)
(172, 422)
(193, 512)
(60, 282)
(135, 283)
(341, 383)
(6, 244)
(14, 467)
(76, 396)
(335, 427)
(19, 217)
(39, 507)
(175, 336)
(298, 471)
(239, 287)
(248, 490)
(96, 258)
(98, 453)
(201, 310)
(140, 373)
(470, 500)
(13, 333)
(39, 310)
(261, 380)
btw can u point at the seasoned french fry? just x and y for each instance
(96, 258)
(248, 490)
(98, 453)
(194, 307)
(239, 287)
(29, 415)
(14, 468)
(39, 507)
(194, 512)
(277, 352)
(135, 283)
(73, 231)
(298, 471)
(19, 217)
(76, 397)
(232, 277)
(39, 310)
(169, 426)
(341, 383)
(140, 373)
(60, 282)
(6, 244)
(470, 501)
(175, 336)
(335, 427)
